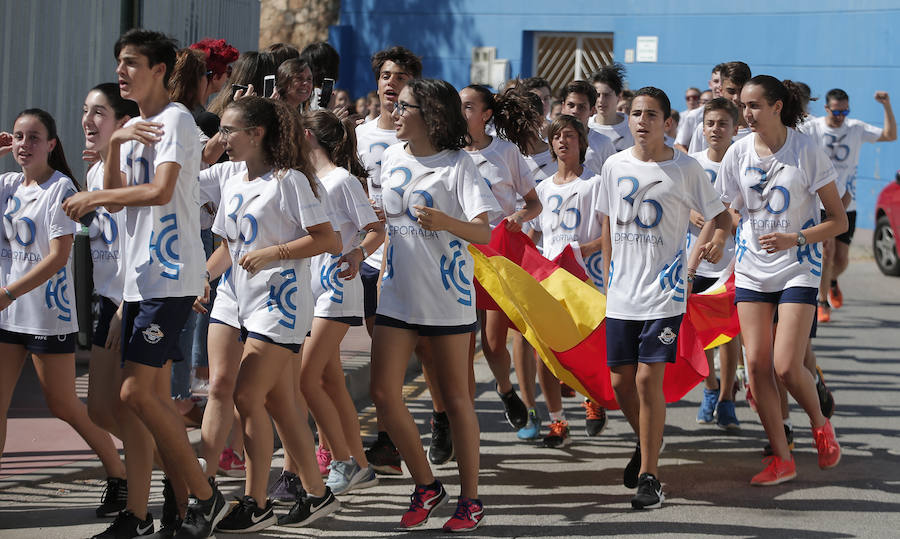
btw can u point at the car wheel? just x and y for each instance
(884, 244)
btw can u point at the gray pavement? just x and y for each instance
(577, 492)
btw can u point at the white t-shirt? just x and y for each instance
(106, 243)
(542, 166)
(842, 145)
(706, 269)
(349, 212)
(699, 143)
(164, 256)
(32, 216)
(505, 172)
(275, 301)
(428, 274)
(371, 142)
(599, 150)
(213, 178)
(569, 216)
(649, 205)
(686, 126)
(775, 194)
(619, 133)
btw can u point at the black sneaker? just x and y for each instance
(515, 410)
(309, 509)
(126, 526)
(789, 434)
(202, 517)
(826, 399)
(441, 448)
(286, 489)
(383, 456)
(649, 494)
(170, 519)
(246, 517)
(114, 498)
(594, 418)
(630, 477)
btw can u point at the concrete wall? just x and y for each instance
(825, 43)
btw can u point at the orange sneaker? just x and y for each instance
(835, 296)
(823, 314)
(777, 471)
(595, 418)
(827, 446)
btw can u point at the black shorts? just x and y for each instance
(369, 277)
(151, 329)
(702, 284)
(41, 344)
(101, 325)
(293, 347)
(846, 237)
(349, 320)
(629, 342)
(423, 330)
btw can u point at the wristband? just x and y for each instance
(207, 275)
(362, 249)
(9, 294)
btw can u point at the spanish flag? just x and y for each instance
(562, 316)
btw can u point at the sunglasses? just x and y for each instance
(840, 112)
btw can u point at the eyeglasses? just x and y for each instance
(844, 112)
(226, 131)
(692, 98)
(402, 106)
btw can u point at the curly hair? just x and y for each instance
(184, 84)
(282, 143)
(401, 56)
(218, 54)
(514, 117)
(338, 139)
(564, 121)
(442, 113)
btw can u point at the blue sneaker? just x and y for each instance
(532, 430)
(707, 406)
(725, 416)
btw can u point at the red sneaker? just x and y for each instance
(827, 446)
(469, 514)
(835, 296)
(231, 464)
(777, 471)
(422, 503)
(565, 390)
(323, 458)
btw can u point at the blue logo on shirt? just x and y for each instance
(55, 295)
(242, 227)
(104, 227)
(282, 298)
(636, 197)
(20, 229)
(562, 208)
(767, 189)
(162, 246)
(594, 264)
(330, 281)
(670, 277)
(811, 253)
(406, 193)
(452, 273)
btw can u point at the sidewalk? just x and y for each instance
(41, 448)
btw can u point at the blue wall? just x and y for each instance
(824, 43)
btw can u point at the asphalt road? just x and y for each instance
(577, 492)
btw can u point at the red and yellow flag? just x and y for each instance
(560, 312)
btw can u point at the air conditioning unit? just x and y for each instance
(487, 69)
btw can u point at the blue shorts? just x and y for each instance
(794, 294)
(101, 325)
(151, 329)
(423, 330)
(254, 335)
(349, 320)
(41, 344)
(369, 277)
(629, 342)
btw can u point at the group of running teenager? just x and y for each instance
(325, 224)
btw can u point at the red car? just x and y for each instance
(887, 228)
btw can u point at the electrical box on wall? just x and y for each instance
(487, 69)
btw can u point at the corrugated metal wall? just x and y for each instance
(53, 51)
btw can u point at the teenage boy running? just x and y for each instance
(156, 183)
(733, 76)
(649, 192)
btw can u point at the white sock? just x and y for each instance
(787, 423)
(558, 416)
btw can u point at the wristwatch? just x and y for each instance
(801, 239)
(362, 249)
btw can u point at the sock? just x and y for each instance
(558, 416)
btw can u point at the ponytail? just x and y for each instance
(338, 139)
(516, 119)
(57, 158)
(281, 143)
(788, 92)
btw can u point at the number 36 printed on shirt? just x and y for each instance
(409, 196)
